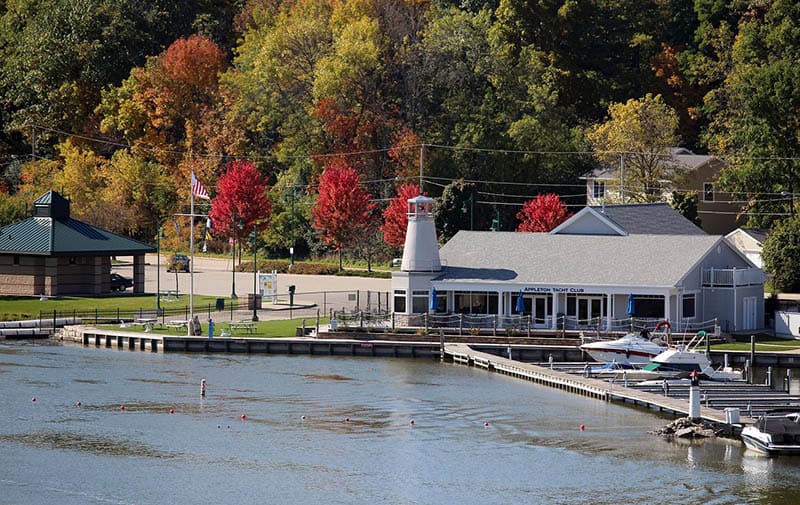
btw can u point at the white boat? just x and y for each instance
(684, 361)
(625, 371)
(631, 348)
(776, 432)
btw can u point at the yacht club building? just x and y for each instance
(596, 270)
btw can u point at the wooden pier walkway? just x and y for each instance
(595, 388)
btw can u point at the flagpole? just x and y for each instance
(189, 326)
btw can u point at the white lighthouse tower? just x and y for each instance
(411, 285)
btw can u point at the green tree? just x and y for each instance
(686, 204)
(781, 255)
(641, 132)
(756, 112)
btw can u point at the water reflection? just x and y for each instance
(337, 431)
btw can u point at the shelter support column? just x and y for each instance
(554, 313)
(501, 298)
(667, 306)
(138, 274)
(609, 304)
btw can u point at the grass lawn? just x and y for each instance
(264, 329)
(13, 308)
(764, 342)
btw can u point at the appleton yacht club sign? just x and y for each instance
(553, 289)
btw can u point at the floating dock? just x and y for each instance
(716, 397)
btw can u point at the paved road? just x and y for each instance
(212, 276)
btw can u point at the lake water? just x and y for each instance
(532, 451)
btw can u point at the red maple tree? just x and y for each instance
(242, 201)
(395, 217)
(543, 213)
(343, 209)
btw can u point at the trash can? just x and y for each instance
(253, 301)
(220, 304)
(732, 415)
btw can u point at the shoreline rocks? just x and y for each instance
(685, 427)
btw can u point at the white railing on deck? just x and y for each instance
(729, 277)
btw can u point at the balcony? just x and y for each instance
(732, 277)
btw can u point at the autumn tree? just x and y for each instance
(344, 208)
(395, 216)
(543, 213)
(642, 133)
(241, 201)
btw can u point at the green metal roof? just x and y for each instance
(63, 236)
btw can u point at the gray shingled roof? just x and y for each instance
(541, 258)
(759, 234)
(650, 218)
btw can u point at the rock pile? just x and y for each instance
(694, 428)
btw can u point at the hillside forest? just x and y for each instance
(309, 122)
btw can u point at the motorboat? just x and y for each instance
(626, 371)
(775, 432)
(683, 361)
(631, 348)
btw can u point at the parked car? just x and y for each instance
(120, 283)
(178, 263)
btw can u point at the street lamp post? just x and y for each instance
(291, 248)
(255, 275)
(159, 234)
(233, 258)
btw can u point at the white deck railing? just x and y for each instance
(729, 277)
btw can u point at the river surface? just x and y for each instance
(334, 430)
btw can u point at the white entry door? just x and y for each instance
(750, 313)
(589, 309)
(542, 308)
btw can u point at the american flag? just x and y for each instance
(198, 190)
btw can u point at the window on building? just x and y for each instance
(419, 301)
(16, 259)
(400, 300)
(708, 191)
(649, 306)
(689, 306)
(599, 189)
(478, 302)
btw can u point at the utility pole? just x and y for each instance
(421, 165)
(622, 177)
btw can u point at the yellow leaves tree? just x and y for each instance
(641, 133)
(82, 180)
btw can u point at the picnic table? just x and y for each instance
(248, 327)
(178, 324)
(146, 322)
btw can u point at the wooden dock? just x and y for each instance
(595, 388)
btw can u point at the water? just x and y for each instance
(52, 451)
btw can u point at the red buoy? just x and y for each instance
(33, 399)
(411, 422)
(122, 407)
(583, 428)
(78, 404)
(486, 425)
(347, 419)
(244, 417)
(171, 411)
